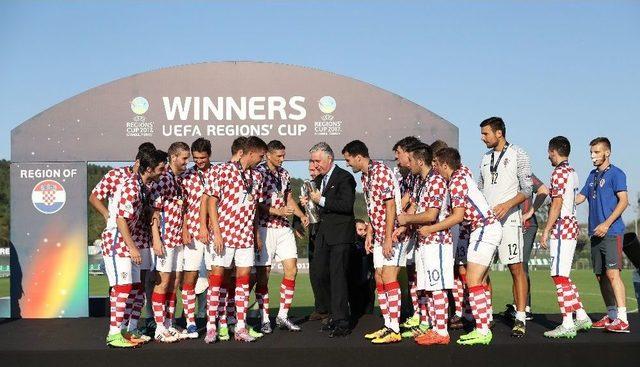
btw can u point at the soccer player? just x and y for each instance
(279, 243)
(434, 253)
(469, 205)
(562, 228)
(505, 180)
(105, 190)
(195, 235)
(606, 192)
(382, 195)
(407, 180)
(122, 259)
(460, 234)
(225, 311)
(235, 195)
(169, 203)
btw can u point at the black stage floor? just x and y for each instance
(75, 342)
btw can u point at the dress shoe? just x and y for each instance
(339, 331)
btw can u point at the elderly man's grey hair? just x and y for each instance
(322, 147)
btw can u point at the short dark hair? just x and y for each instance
(358, 220)
(145, 147)
(356, 147)
(177, 147)
(561, 145)
(201, 145)
(422, 152)
(151, 159)
(254, 144)
(438, 145)
(450, 157)
(601, 140)
(275, 145)
(238, 144)
(496, 123)
(405, 142)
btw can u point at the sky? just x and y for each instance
(548, 68)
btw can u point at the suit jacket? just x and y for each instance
(337, 222)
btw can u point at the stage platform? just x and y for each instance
(80, 342)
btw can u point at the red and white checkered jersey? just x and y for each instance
(169, 199)
(128, 204)
(194, 181)
(465, 194)
(108, 184)
(565, 184)
(433, 193)
(380, 185)
(276, 186)
(237, 204)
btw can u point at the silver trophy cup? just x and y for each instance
(311, 208)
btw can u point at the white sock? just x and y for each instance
(527, 309)
(521, 316)
(114, 330)
(612, 312)
(622, 314)
(581, 314)
(567, 321)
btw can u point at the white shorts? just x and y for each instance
(434, 267)
(511, 247)
(194, 253)
(561, 252)
(172, 261)
(483, 244)
(243, 257)
(121, 270)
(411, 250)
(399, 257)
(147, 261)
(278, 244)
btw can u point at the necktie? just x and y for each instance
(324, 182)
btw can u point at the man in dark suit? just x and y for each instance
(336, 233)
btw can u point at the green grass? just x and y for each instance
(543, 291)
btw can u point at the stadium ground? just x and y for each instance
(543, 291)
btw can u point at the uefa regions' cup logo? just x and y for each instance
(138, 125)
(327, 105)
(139, 105)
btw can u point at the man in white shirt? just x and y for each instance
(505, 180)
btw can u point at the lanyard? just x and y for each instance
(143, 193)
(247, 183)
(421, 185)
(493, 168)
(276, 178)
(175, 183)
(367, 186)
(596, 179)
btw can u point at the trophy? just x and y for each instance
(311, 208)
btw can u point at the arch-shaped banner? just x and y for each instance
(220, 101)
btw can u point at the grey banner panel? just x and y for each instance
(49, 240)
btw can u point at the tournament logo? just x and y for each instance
(48, 196)
(139, 105)
(328, 124)
(327, 104)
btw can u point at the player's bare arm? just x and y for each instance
(297, 211)
(426, 217)
(455, 218)
(203, 234)
(554, 214)
(214, 224)
(123, 228)
(390, 218)
(99, 206)
(155, 234)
